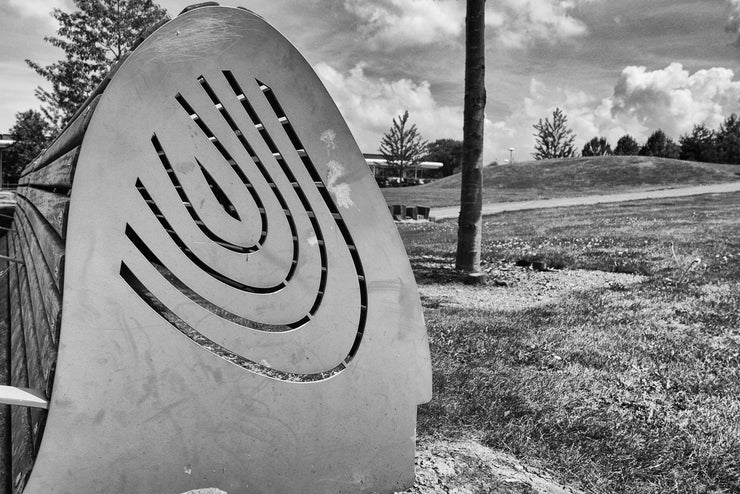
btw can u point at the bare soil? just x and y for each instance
(467, 467)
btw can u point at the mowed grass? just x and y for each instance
(631, 388)
(568, 178)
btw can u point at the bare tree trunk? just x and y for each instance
(470, 221)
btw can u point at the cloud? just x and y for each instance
(733, 22)
(519, 23)
(369, 105)
(37, 8)
(400, 23)
(671, 99)
(18, 93)
(392, 24)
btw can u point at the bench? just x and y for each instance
(204, 286)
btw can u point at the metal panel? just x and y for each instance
(238, 310)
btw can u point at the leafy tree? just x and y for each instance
(554, 139)
(598, 146)
(402, 146)
(31, 134)
(93, 37)
(627, 146)
(660, 145)
(699, 145)
(446, 151)
(470, 221)
(728, 140)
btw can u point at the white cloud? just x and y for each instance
(673, 99)
(643, 101)
(369, 105)
(398, 23)
(517, 23)
(17, 91)
(37, 8)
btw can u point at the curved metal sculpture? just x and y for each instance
(238, 309)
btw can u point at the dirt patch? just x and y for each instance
(510, 287)
(467, 467)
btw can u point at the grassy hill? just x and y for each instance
(570, 177)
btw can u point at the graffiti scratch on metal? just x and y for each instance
(341, 191)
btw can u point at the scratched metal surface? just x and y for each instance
(239, 312)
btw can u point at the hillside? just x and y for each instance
(569, 178)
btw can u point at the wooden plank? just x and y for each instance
(58, 173)
(53, 207)
(24, 397)
(33, 350)
(50, 243)
(37, 376)
(5, 457)
(20, 419)
(44, 303)
(70, 138)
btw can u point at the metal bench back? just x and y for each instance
(238, 310)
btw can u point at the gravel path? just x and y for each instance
(500, 207)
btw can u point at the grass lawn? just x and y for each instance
(568, 178)
(627, 388)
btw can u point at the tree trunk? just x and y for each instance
(470, 221)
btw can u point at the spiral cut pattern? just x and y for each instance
(266, 175)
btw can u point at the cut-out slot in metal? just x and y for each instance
(311, 168)
(194, 296)
(218, 192)
(195, 259)
(188, 205)
(206, 343)
(230, 121)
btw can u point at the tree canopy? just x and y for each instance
(728, 140)
(627, 146)
(402, 146)
(93, 37)
(660, 145)
(699, 145)
(554, 139)
(30, 133)
(598, 146)
(446, 151)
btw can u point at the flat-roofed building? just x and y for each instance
(380, 168)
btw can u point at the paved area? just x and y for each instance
(500, 207)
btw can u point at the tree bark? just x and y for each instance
(470, 221)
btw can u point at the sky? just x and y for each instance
(614, 67)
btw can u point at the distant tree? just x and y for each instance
(728, 141)
(598, 146)
(402, 146)
(627, 146)
(699, 145)
(446, 151)
(93, 37)
(30, 133)
(554, 139)
(660, 145)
